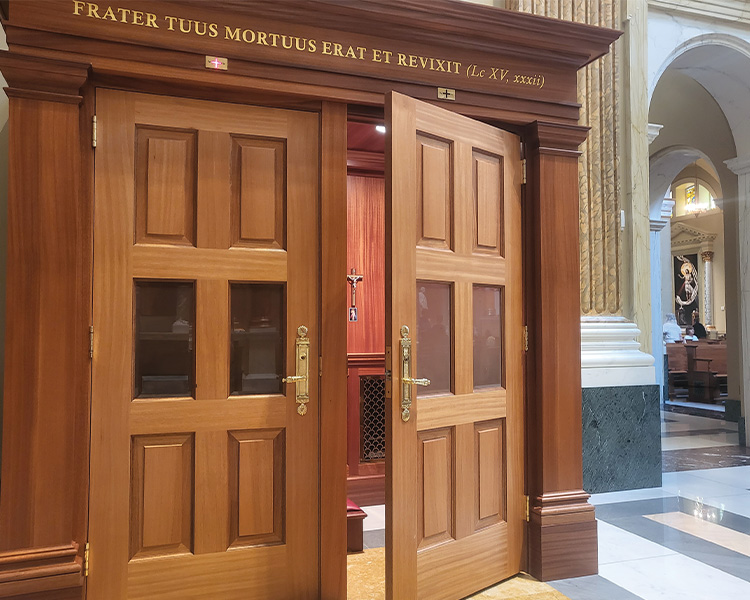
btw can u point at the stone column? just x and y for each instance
(741, 347)
(613, 224)
(708, 288)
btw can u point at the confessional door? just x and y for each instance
(454, 471)
(204, 462)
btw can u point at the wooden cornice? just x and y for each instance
(557, 138)
(442, 23)
(364, 162)
(43, 78)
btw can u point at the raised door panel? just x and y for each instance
(166, 161)
(436, 459)
(435, 192)
(488, 213)
(161, 510)
(256, 476)
(258, 192)
(490, 473)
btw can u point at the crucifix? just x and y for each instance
(353, 280)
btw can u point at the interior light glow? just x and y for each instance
(380, 128)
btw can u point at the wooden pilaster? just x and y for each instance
(562, 527)
(45, 411)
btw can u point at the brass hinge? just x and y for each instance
(93, 131)
(523, 170)
(91, 341)
(527, 508)
(525, 338)
(86, 556)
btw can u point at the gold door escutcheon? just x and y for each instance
(406, 379)
(303, 368)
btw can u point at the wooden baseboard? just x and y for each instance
(366, 490)
(562, 536)
(52, 573)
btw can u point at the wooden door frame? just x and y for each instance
(52, 69)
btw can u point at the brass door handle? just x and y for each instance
(406, 379)
(415, 381)
(303, 366)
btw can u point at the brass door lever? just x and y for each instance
(303, 368)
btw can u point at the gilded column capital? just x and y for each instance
(707, 255)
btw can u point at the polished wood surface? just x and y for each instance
(212, 473)
(333, 351)
(365, 234)
(454, 486)
(560, 514)
(47, 378)
(44, 492)
(365, 480)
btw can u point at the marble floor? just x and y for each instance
(686, 540)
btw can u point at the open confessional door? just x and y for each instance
(454, 474)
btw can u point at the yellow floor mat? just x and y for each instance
(366, 581)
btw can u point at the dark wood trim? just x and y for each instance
(366, 359)
(43, 78)
(39, 570)
(367, 490)
(333, 351)
(562, 527)
(362, 162)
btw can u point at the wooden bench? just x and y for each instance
(697, 370)
(355, 517)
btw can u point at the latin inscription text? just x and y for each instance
(293, 43)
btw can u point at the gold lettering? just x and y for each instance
(137, 17)
(337, 49)
(171, 22)
(274, 37)
(262, 38)
(412, 61)
(213, 30)
(244, 36)
(110, 14)
(78, 6)
(402, 60)
(124, 12)
(302, 41)
(198, 25)
(327, 48)
(285, 39)
(376, 55)
(232, 34)
(362, 51)
(151, 20)
(312, 46)
(387, 54)
(350, 53)
(182, 25)
(94, 10)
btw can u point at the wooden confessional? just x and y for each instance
(178, 342)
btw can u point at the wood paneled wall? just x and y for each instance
(366, 253)
(48, 295)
